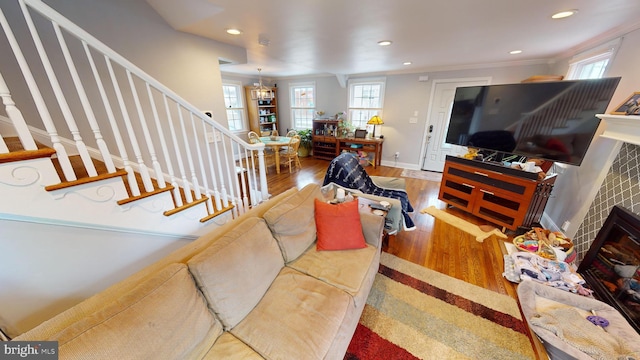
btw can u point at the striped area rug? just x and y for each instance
(417, 313)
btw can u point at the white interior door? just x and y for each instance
(442, 93)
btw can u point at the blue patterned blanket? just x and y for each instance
(346, 171)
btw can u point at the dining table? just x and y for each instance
(276, 143)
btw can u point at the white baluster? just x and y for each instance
(177, 197)
(230, 174)
(223, 190)
(216, 192)
(145, 131)
(187, 187)
(15, 115)
(59, 95)
(84, 100)
(163, 142)
(131, 179)
(205, 181)
(63, 157)
(142, 168)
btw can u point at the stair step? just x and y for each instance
(86, 180)
(216, 213)
(142, 195)
(186, 206)
(81, 173)
(18, 153)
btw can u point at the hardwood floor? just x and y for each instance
(434, 245)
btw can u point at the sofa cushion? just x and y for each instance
(298, 318)
(235, 271)
(165, 314)
(292, 222)
(230, 347)
(338, 226)
(346, 269)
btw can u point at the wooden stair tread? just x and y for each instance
(216, 213)
(142, 195)
(85, 180)
(186, 206)
(18, 153)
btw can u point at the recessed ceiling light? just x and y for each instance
(514, 52)
(234, 31)
(384, 42)
(407, 63)
(564, 14)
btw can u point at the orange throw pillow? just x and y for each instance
(338, 226)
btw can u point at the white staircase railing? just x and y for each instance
(116, 105)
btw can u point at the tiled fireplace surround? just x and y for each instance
(620, 187)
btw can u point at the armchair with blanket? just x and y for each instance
(346, 172)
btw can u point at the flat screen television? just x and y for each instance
(552, 120)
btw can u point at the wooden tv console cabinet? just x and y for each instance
(504, 196)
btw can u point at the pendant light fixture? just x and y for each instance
(259, 91)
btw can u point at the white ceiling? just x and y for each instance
(313, 37)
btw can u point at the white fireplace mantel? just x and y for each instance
(624, 128)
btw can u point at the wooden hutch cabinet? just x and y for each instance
(504, 196)
(325, 143)
(263, 114)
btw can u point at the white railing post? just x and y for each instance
(263, 175)
(15, 115)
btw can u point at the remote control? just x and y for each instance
(378, 207)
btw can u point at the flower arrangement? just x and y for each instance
(345, 127)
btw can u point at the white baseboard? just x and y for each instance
(401, 165)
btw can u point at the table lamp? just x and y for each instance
(375, 120)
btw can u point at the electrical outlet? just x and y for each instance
(565, 225)
(397, 155)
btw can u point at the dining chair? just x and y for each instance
(254, 138)
(290, 153)
(291, 133)
(269, 154)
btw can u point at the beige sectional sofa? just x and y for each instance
(255, 288)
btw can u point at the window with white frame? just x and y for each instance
(234, 104)
(592, 64)
(366, 97)
(303, 104)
